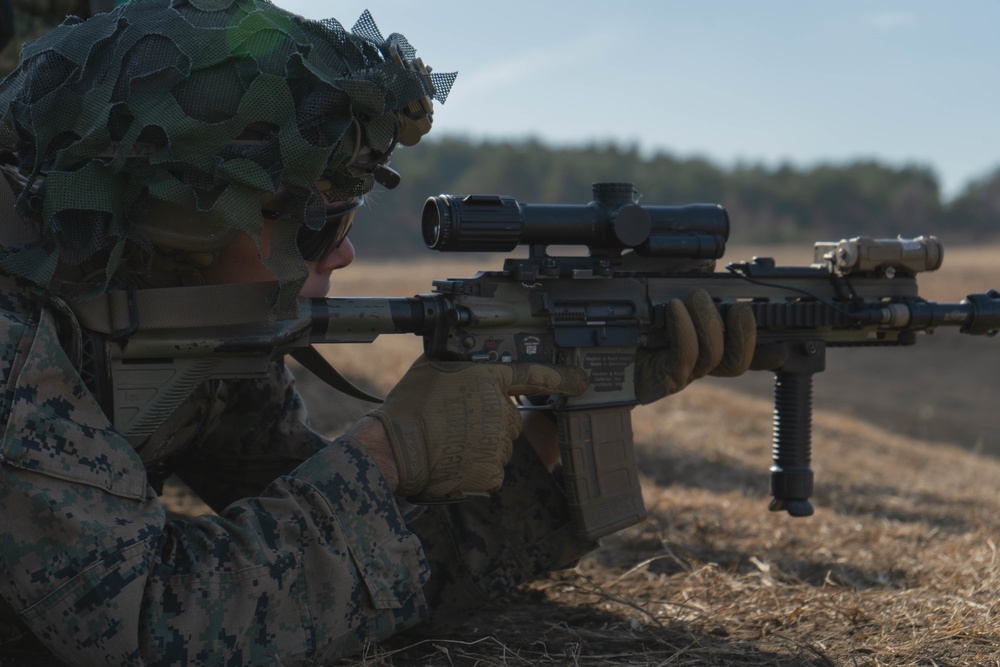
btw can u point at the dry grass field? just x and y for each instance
(899, 565)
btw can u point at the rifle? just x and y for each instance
(592, 310)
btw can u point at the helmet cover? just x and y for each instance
(208, 106)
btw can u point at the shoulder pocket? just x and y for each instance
(53, 425)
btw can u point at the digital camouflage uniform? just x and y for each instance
(310, 555)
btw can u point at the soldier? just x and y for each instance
(206, 148)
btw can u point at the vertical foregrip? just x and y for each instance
(598, 466)
(791, 476)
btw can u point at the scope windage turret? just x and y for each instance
(612, 222)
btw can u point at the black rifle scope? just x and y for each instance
(612, 222)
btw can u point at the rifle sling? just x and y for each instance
(317, 364)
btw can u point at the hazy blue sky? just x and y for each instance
(758, 81)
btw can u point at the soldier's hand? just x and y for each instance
(451, 424)
(697, 343)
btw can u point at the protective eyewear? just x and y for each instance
(315, 244)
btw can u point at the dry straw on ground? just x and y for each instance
(899, 565)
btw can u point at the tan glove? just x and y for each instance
(697, 343)
(451, 423)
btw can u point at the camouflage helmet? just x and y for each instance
(215, 107)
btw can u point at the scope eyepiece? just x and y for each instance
(487, 223)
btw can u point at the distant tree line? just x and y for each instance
(779, 204)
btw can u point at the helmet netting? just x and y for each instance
(166, 100)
